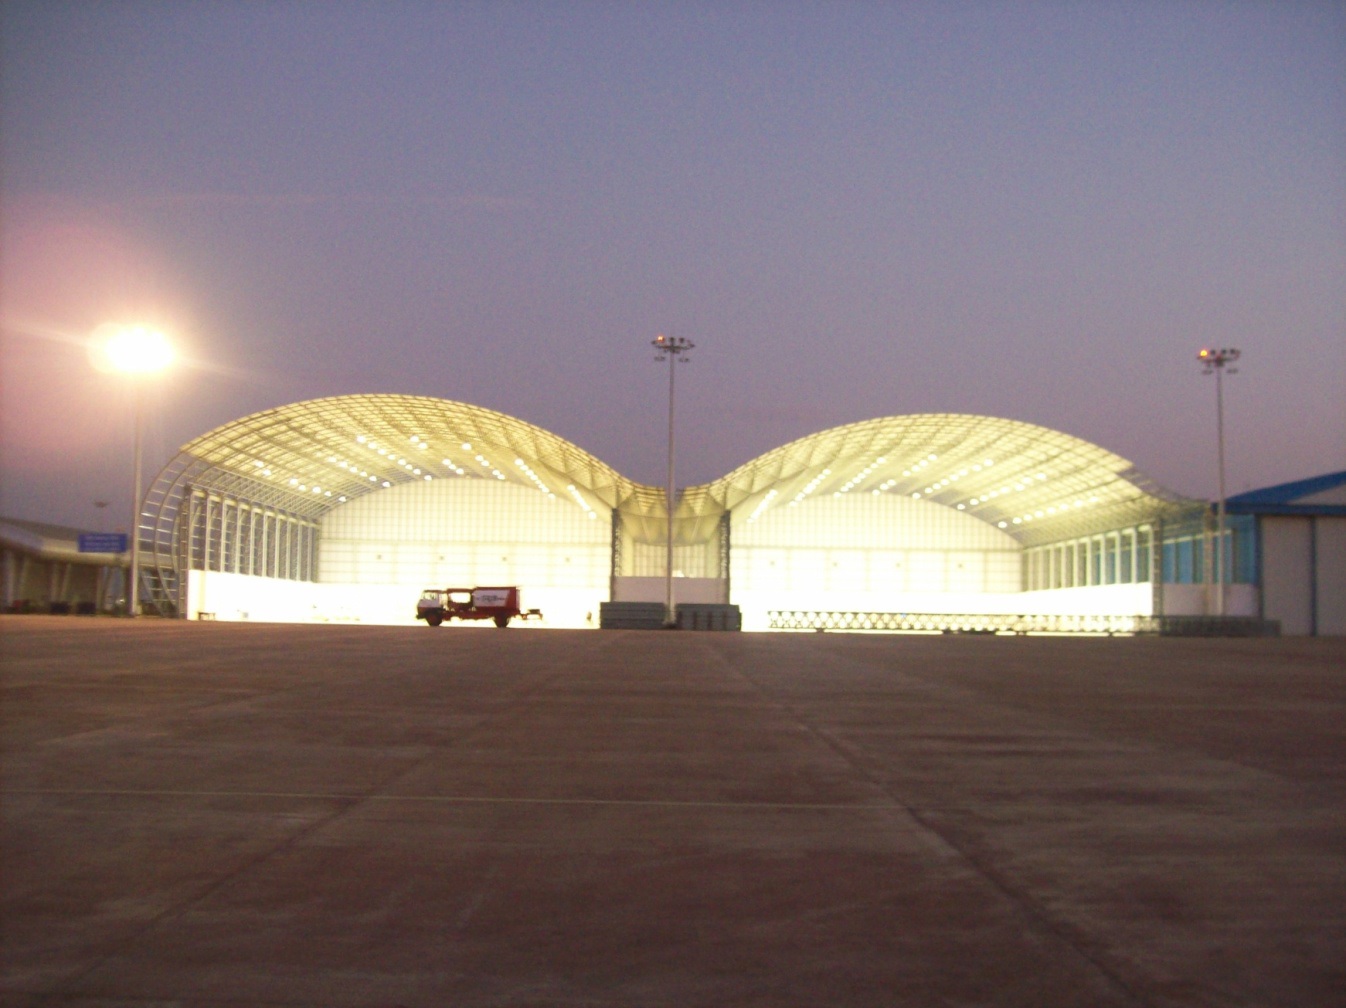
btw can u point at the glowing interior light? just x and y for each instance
(466, 446)
(360, 438)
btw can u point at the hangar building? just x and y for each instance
(343, 509)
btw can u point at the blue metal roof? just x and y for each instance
(1288, 498)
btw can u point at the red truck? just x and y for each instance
(500, 604)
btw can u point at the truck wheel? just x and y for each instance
(433, 620)
(502, 621)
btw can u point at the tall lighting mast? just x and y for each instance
(139, 353)
(675, 350)
(1215, 361)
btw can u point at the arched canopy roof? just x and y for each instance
(1038, 484)
(311, 456)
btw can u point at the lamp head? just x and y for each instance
(131, 349)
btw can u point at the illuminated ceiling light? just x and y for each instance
(386, 483)
(974, 501)
(466, 446)
(961, 507)
(917, 495)
(1001, 524)
(427, 475)
(360, 438)
(342, 497)
(1018, 521)
(294, 482)
(414, 439)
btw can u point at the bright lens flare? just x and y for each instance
(132, 349)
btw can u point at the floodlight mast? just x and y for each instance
(138, 353)
(1215, 361)
(675, 350)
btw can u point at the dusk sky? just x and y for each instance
(1032, 210)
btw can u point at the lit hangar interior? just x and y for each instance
(345, 508)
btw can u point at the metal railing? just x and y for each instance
(1021, 623)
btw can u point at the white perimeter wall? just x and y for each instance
(234, 597)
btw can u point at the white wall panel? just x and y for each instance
(1330, 540)
(1286, 564)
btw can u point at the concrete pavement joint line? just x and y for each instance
(343, 805)
(354, 799)
(1029, 908)
(69, 986)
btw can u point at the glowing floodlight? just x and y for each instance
(132, 349)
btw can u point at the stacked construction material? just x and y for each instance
(631, 615)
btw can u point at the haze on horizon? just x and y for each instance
(1032, 210)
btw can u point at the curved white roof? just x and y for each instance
(1036, 483)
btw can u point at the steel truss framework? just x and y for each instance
(297, 462)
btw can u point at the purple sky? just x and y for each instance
(1038, 211)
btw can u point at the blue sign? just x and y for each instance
(102, 542)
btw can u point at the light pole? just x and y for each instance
(136, 352)
(1215, 361)
(673, 349)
